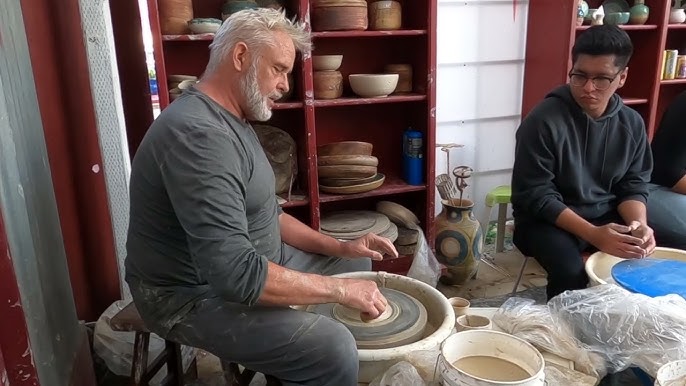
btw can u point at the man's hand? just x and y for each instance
(616, 240)
(645, 233)
(369, 245)
(362, 295)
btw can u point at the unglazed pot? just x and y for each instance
(459, 241)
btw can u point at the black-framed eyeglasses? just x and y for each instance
(600, 83)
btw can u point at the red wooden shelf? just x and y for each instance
(287, 105)
(362, 34)
(390, 186)
(634, 101)
(188, 38)
(293, 203)
(368, 101)
(400, 265)
(676, 26)
(673, 81)
(627, 27)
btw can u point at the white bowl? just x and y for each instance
(204, 25)
(373, 85)
(599, 265)
(326, 62)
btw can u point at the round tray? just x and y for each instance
(403, 321)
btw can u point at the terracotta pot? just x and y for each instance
(327, 84)
(339, 15)
(404, 72)
(459, 241)
(174, 16)
(385, 15)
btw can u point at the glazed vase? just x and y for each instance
(639, 12)
(459, 241)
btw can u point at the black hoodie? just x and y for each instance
(566, 159)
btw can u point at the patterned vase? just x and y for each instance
(459, 241)
(639, 12)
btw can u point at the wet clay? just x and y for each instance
(491, 368)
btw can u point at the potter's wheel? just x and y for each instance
(403, 321)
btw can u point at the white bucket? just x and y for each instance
(491, 344)
(672, 374)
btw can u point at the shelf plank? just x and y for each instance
(368, 101)
(672, 81)
(364, 34)
(634, 101)
(287, 105)
(389, 187)
(627, 27)
(400, 265)
(298, 199)
(676, 26)
(188, 38)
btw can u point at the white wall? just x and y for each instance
(481, 45)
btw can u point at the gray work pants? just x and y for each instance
(667, 216)
(299, 348)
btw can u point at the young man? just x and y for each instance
(582, 166)
(667, 202)
(212, 261)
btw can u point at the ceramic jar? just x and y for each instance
(232, 6)
(327, 84)
(639, 12)
(404, 72)
(174, 16)
(385, 15)
(459, 241)
(677, 16)
(339, 15)
(581, 12)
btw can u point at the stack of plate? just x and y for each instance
(348, 167)
(352, 224)
(407, 223)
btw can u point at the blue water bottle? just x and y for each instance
(413, 157)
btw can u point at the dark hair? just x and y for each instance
(604, 40)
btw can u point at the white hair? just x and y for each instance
(255, 28)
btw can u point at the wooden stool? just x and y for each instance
(129, 320)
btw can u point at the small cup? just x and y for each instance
(472, 322)
(460, 306)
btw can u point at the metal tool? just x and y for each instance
(444, 184)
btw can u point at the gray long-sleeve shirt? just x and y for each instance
(203, 214)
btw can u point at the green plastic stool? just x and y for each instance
(499, 195)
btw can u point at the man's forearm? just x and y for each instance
(575, 224)
(299, 235)
(287, 287)
(633, 210)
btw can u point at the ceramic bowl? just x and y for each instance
(616, 18)
(326, 62)
(589, 14)
(373, 85)
(345, 148)
(204, 25)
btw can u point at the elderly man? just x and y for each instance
(212, 260)
(582, 166)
